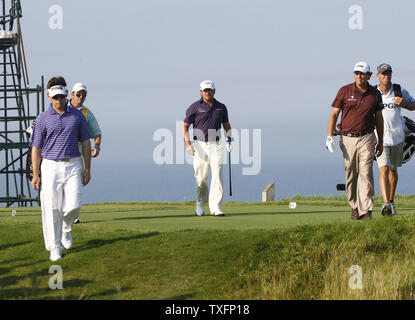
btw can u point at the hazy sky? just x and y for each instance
(277, 65)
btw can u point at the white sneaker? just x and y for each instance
(393, 209)
(386, 209)
(55, 254)
(200, 210)
(66, 240)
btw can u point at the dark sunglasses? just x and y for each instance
(59, 96)
(81, 95)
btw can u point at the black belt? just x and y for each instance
(357, 134)
(217, 139)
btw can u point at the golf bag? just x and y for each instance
(409, 146)
(409, 128)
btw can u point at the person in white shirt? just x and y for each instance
(393, 135)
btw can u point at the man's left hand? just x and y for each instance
(400, 101)
(95, 152)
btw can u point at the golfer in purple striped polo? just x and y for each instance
(55, 151)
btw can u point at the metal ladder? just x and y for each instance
(15, 113)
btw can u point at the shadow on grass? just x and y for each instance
(22, 293)
(75, 283)
(96, 243)
(181, 297)
(109, 292)
(190, 215)
(35, 291)
(11, 280)
(19, 293)
(121, 210)
(232, 214)
(288, 213)
(8, 245)
(13, 260)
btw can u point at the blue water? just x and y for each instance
(176, 182)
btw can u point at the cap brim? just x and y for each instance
(362, 71)
(57, 92)
(79, 89)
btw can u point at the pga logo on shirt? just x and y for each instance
(389, 105)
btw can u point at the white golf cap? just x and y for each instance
(362, 67)
(55, 90)
(207, 84)
(78, 87)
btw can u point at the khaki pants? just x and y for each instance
(358, 155)
(208, 155)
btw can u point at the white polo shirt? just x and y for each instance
(393, 128)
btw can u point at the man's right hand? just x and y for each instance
(36, 183)
(330, 143)
(190, 150)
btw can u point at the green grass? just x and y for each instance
(257, 251)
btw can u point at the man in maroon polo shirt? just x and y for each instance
(361, 107)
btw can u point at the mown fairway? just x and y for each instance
(257, 251)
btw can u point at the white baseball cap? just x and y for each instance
(362, 67)
(78, 87)
(207, 84)
(55, 90)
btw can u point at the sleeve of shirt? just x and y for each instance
(83, 129)
(190, 115)
(225, 116)
(338, 101)
(406, 96)
(39, 133)
(93, 126)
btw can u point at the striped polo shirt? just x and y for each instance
(58, 135)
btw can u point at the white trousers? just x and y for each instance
(60, 197)
(208, 155)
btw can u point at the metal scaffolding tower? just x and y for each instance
(16, 116)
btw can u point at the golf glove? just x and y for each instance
(190, 150)
(330, 143)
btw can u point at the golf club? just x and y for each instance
(229, 140)
(230, 175)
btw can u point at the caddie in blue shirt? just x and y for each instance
(78, 96)
(55, 151)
